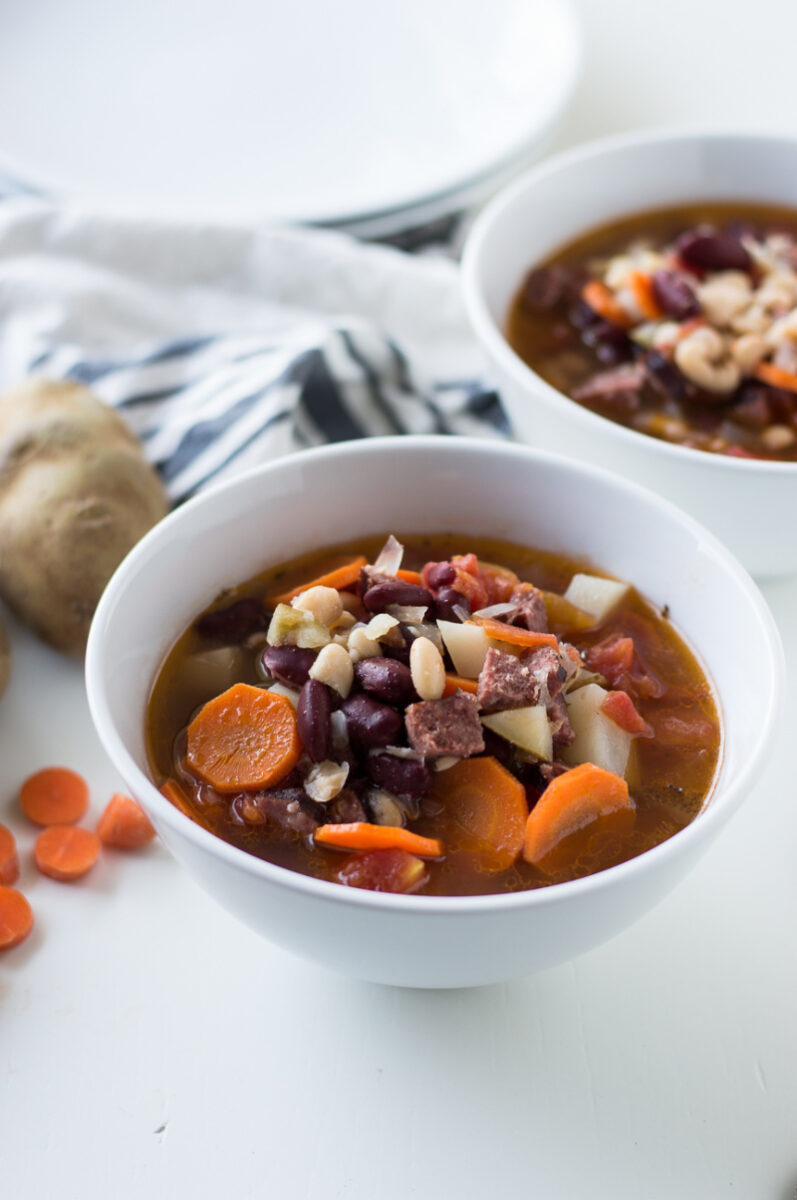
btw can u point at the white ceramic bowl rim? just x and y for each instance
(772, 671)
(493, 335)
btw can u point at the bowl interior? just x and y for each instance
(427, 485)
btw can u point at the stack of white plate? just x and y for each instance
(370, 116)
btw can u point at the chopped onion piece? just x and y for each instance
(281, 690)
(326, 780)
(398, 752)
(497, 610)
(445, 763)
(390, 556)
(385, 808)
(407, 614)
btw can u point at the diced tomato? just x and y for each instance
(619, 707)
(613, 658)
(384, 871)
(467, 562)
(499, 582)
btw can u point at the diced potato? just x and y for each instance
(562, 612)
(210, 672)
(281, 690)
(467, 645)
(595, 595)
(598, 739)
(528, 728)
(295, 627)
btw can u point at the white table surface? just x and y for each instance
(152, 1047)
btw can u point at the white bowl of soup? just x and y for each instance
(670, 353)
(193, 627)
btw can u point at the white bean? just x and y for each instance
(427, 669)
(333, 666)
(703, 358)
(323, 602)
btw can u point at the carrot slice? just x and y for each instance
(54, 796)
(776, 376)
(409, 577)
(603, 301)
(245, 738)
(124, 824)
(66, 852)
(641, 287)
(570, 802)
(342, 577)
(486, 808)
(16, 918)
(9, 861)
(360, 835)
(455, 683)
(513, 634)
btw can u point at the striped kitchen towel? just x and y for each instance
(226, 347)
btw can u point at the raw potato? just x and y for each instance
(75, 495)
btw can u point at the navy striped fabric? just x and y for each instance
(205, 406)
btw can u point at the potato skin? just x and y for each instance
(5, 659)
(75, 495)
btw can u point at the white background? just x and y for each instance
(151, 1047)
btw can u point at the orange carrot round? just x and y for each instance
(54, 796)
(9, 860)
(360, 835)
(16, 918)
(603, 301)
(570, 802)
(124, 824)
(455, 683)
(66, 852)
(243, 739)
(409, 577)
(485, 806)
(777, 377)
(641, 286)
(341, 577)
(514, 635)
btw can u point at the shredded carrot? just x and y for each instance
(641, 287)
(776, 376)
(245, 738)
(54, 796)
(513, 634)
(603, 301)
(341, 577)
(456, 683)
(360, 835)
(16, 918)
(9, 860)
(487, 810)
(410, 577)
(66, 852)
(124, 824)
(570, 802)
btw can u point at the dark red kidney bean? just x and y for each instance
(753, 409)
(312, 718)
(385, 678)
(674, 295)
(440, 574)
(544, 288)
(371, 724)
(610, 343)
(581, 315)
(378, 597)
(666, 378)
(444, 603)
(289, 664)
(408, 777)
(236, 622)
(713, 252)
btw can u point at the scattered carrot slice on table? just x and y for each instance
(342, 577)
(776, 376)
(456, 683)
(603, 301)
(9, 860)
(66, 852)
(124, 824)
(513, 634)
(570, 802)
(54, 796)
(361, 835)
(487, 805)
(16, 918)
(641, 286)
(244, 738)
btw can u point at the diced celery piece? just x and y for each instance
(295, 627)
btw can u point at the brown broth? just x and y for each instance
(552, 348)
(670, 779)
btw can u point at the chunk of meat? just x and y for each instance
(506, 682)
(550, 771)
(531, 612)
(546, 667)
(448, 726)
(290, 809)
(561, 729)
(619, 661)
(617, 388)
